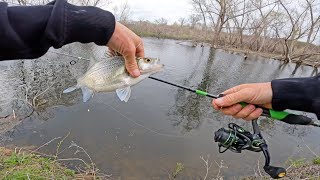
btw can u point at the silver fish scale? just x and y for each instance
(105, 74)
(107, 69)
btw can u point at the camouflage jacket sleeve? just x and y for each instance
(301, 94)
(29, 31)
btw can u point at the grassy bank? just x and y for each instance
(23, 165)
(20, 164)
(29, 163)
(306, 54)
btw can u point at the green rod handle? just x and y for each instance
(287, 117)
(278, 115)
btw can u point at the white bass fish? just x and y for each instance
(111, 75)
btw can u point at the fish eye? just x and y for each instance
(147, 60)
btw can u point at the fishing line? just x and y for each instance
(146, 128)
(73, 62)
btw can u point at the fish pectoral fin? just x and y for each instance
(124, 94)
(87, 93)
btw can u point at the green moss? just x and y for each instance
(178, 169)
(316, 160)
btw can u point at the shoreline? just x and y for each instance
(304, 54)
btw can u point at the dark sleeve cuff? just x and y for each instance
(301, 94)
(87, 24)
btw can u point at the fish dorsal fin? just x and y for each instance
(111, 53)
(124, 94)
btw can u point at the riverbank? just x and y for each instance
(27, 164)
(304, 54)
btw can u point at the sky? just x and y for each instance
(151, 10)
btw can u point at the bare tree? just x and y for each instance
(200, 7)
(313, 27)
(123, 12)
(314, 22)
(194, 20)
(182, 21)
(260, 26)
(161, 21)
(295, 32)
(240, 22)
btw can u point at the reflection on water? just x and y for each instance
(189, 107)
(160, 125)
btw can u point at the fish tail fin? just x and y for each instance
(87, 93)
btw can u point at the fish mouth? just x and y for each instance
(156, 68)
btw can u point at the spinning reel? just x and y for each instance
(237, 139)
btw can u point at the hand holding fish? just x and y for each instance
(129, 45)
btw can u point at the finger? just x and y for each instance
(235, 89)
(140, 49)
(131, 63)
(245, 111)
(234, 98)
(215, 105)
(231, 90)
(254, 115)
(268, 105)
(232, 110)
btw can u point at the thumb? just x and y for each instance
(234, 98)
(131, 65)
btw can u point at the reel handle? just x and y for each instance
(275, 172)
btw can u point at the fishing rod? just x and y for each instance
(277, 115)
(237, 139)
